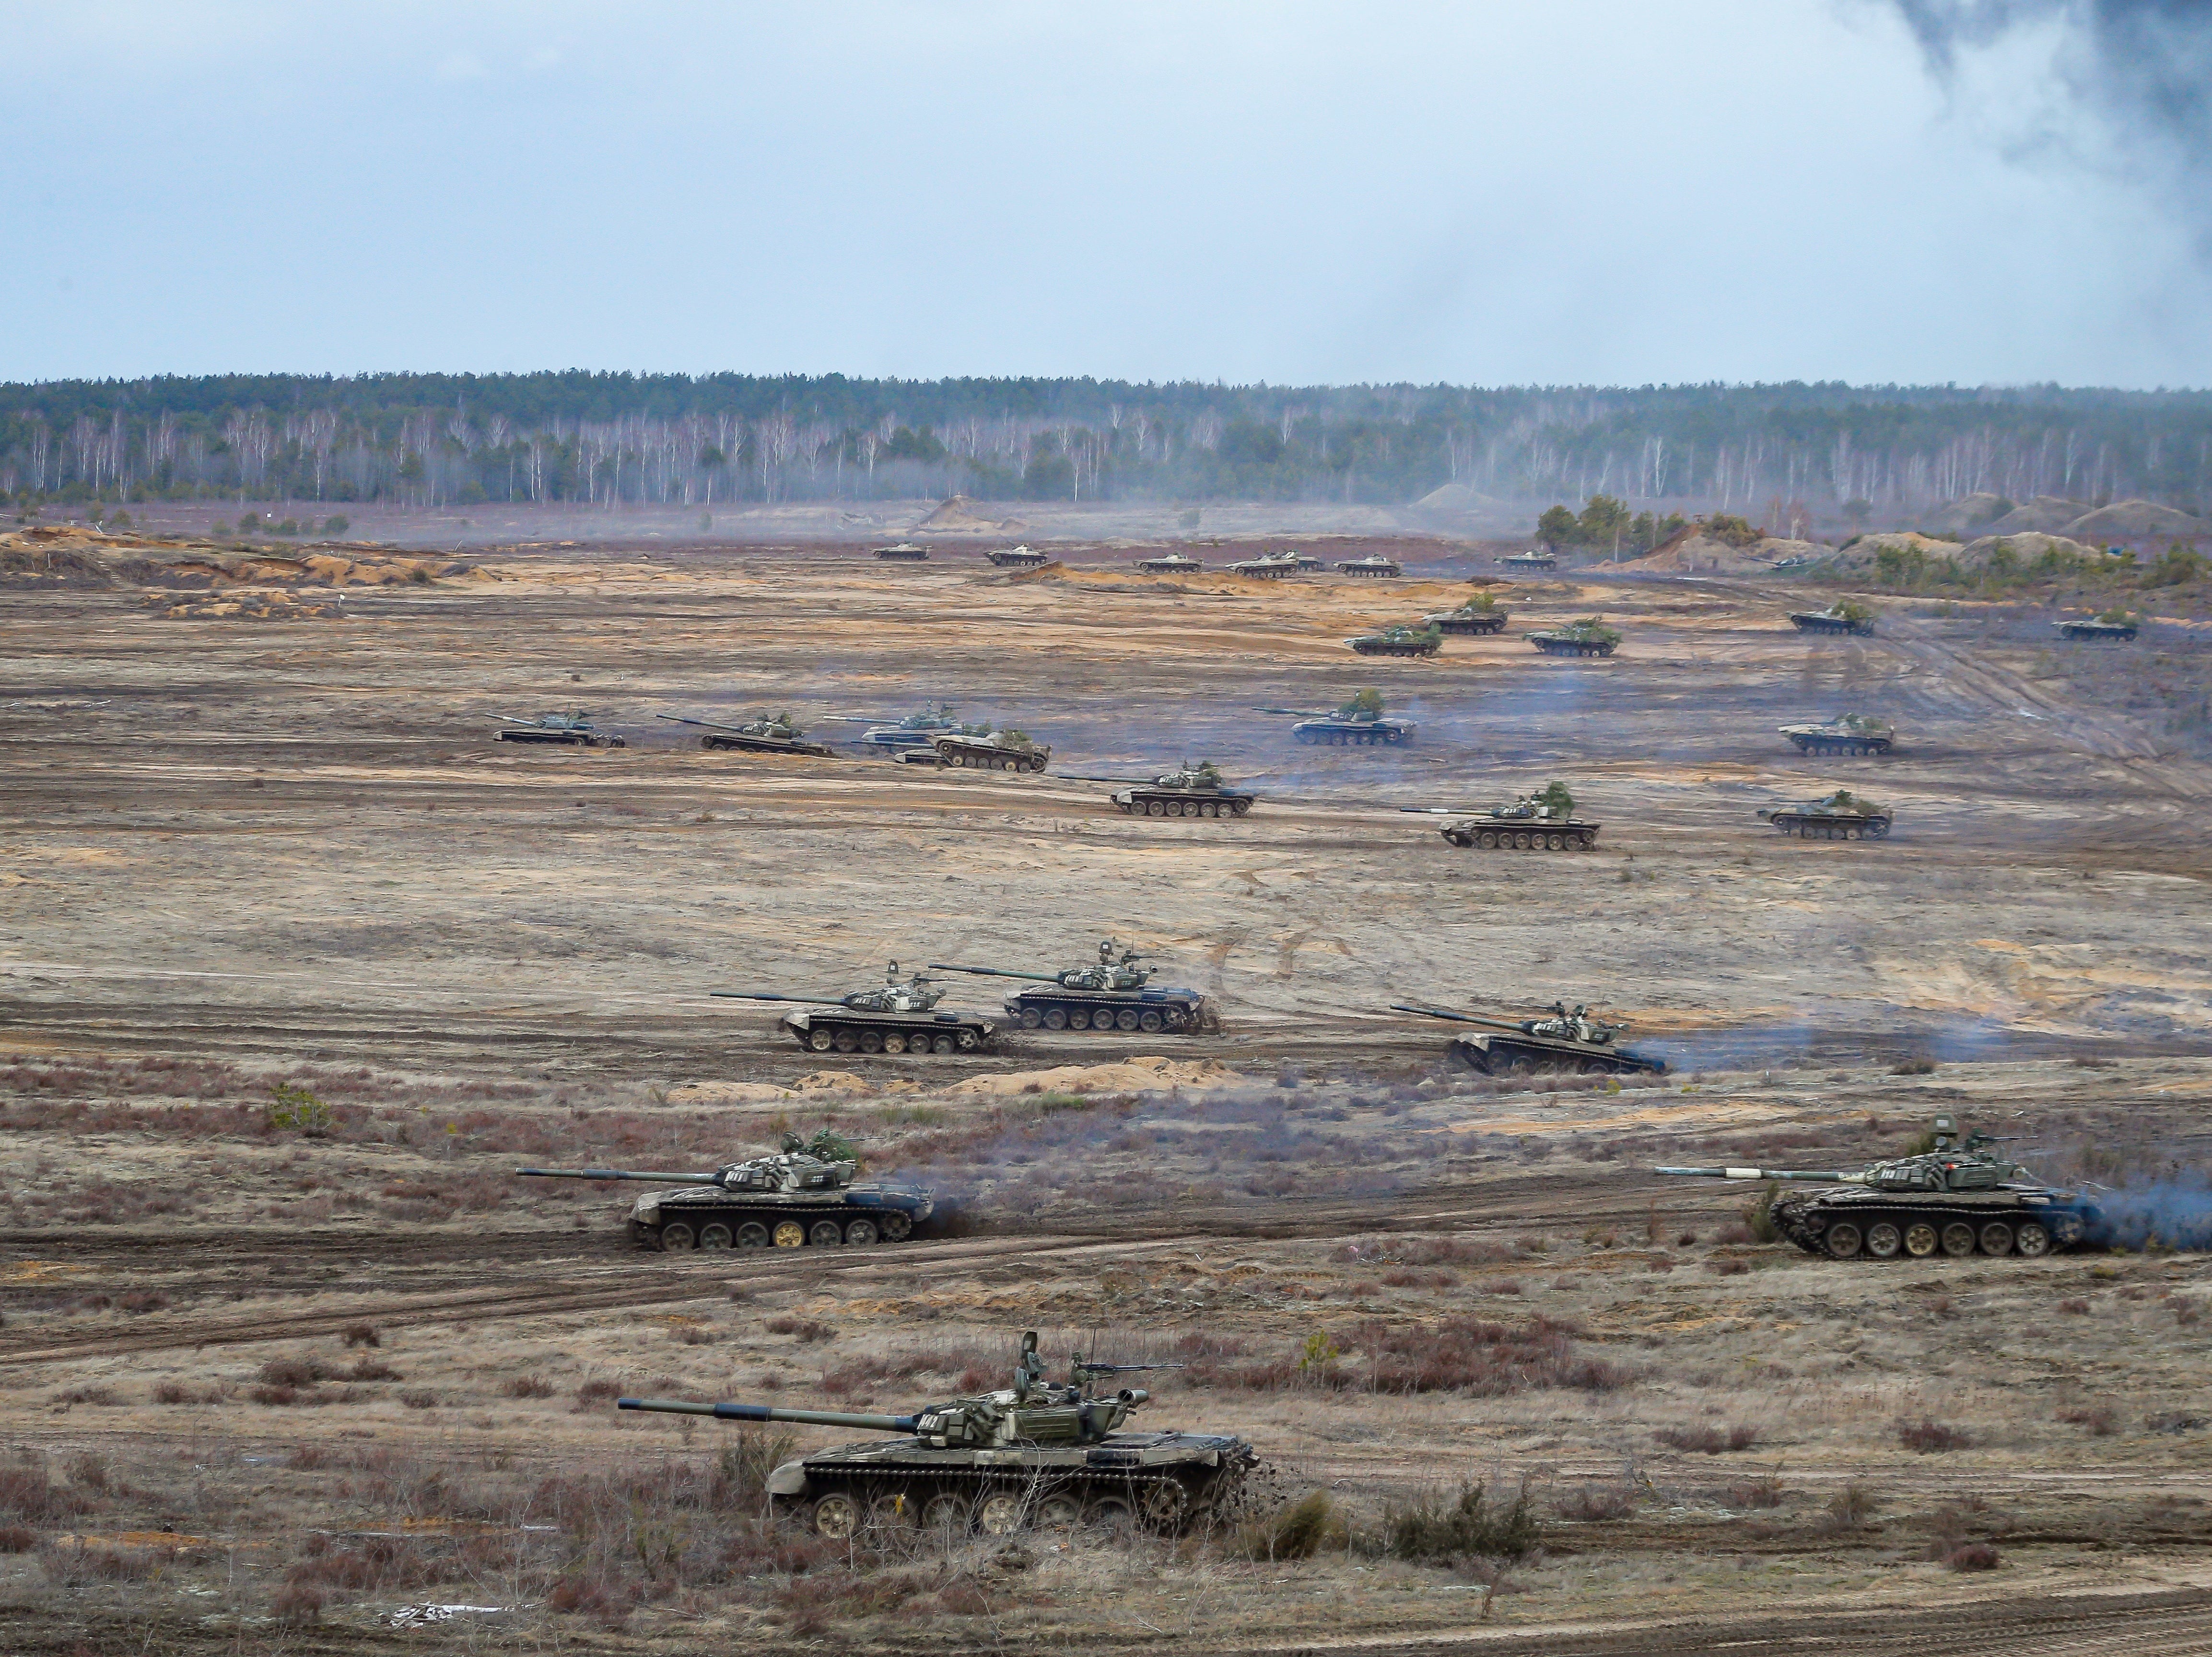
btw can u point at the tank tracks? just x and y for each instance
(1174, 1014)
(738, 1224)
(1530, 1055)
(1917, 1226)
(839, 1031)
(1505, 837)
(981, 756)
(1140, 804)
(1571, 647)
(1813, 621)
(1448, 623)
(1001, 1500)
(1807, 826)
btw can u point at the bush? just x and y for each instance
(1972, 1555)
(742, 1469)
(2100, 1419)
(336, 524)
(297, 1110)
(1756, 1493)
(1916, 1067)
(1431, 1530)
(18, 1539)
(1851, 1508)
(1707, 1441)
(1296, 1530)
(526, 1387)
(807, 1329)
(363, 1334)
(1931, 1438)
(1759, 1214)
(1593, 1503)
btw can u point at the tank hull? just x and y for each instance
(1381, 570)
(1167, 803)
(1448, 621)
(1173, 564)
(722, 741)
(1265, 569)
(1816, 741)
(890, 740)
(989, 756)
(1814, 621)
(1530, 560)
(1018, 560)
(852, 1030)
(1855, 1222)
(709, 1218)
(1555, 645)
(902, 554)
(1146, 1011)
(1503, 834)
(1352, 733)
(560, 738)
(2105, 632)
(1394, 646)
(1812, 825)
(1506, 1052)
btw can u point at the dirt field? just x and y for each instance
(263, 1389)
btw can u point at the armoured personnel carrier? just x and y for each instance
(1032, 1453)
(905, 552)
(917, 730)
(1845, 615)
(1110, 995)
(991, 751)
(1540, 558)
(1019, 557)
(1543, 821)
(1374, 565)
(1480, 614)
(1170, 563)
(1588, 637)
(1269, 567)
(809, 1193)
(558, 730)
(1957, 1198)
(892, 1018)
(1570, 1041)
(1399, 640)
(1358, 723)
(1842, 816)
(1848, 733)
(2113, 627)
(764, 733)
(1195, 791)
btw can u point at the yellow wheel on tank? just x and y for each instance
(789, 1234)
(1920, 1240)
(836, 1516)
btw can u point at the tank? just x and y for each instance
(894, 1018)
(1846, 616)
(1374, 565)
(917, 730)
(990, 750)
(1842, 816)
(1112, 993)
(1032, 1454)
(2113, 627)
(1270, 567)
(1959, 1197)
(1588, 637)
(1195, 791)
(1847, 733)
(1480, 614)
(1543, 821)
(1540, 558)
(764, 733)
(1358, 723)
(1398, 640)
(1171, 563)
(1019, 557)
(559, 729)
(905, 552)
(808, 1193)
(1565, 1040)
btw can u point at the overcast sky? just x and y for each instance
(1577, 191)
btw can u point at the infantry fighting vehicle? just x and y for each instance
(563, 729)
(1571, 1041)
(917, 730)
(1542, 822)
(1196, 791)
(1480, 614)
(1848, 733)
(1374, 566)
(2113, 627)
(764, 733)
(905, 552)
(1842, 816)
(1170, 563)
(893, 1018)
(1399, 640)
(1019, 557)
(1356, 723)
(1846, 616)
(1588, 637)
(1269, 567)
(1030, 1453)
(1959, 1197)
(808, 1193)
(991, 751)
(1540, 558)
(1108, 995)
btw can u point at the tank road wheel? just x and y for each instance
(1920, 1240)
(1156, 808)
(789, 1234)
(966, 1040)
(1001, 1514)
(2032, 1240)
(896, 1227)
(716, 1235)
(1058, 1510)
(1997, 1238)
(894, 1043)
(1555, 842)
(1031, 1018)
(871, 1040)
(677, 1239)
(1111, 1513)
(1957, 1239)
(819, 1041)
(1878, 830)
(1241, 807)
(1163, 1504)
(1127, 1018)
(946, 1511)
(1079, 1019)
(1487, 841)
(942, 1045)
(1843, 1240)
(1055, 1018)
(752, 1235)
(847, 1041)
(860, 1234)
(836, 1516)
(1883, 1240)
(826, 1234)
(1150, 1020)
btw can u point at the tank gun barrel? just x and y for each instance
(992, 972)
(1825, 1176)
(763, 995)
(711, 724)
(1457, 1017)
(514, 718)
(615, 1174)
(1297, 712)
(763, 1412)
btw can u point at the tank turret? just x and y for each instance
(1110, 993)
(1563, 1039)
(1034, 1452)
(891, 1017)
(980, 748)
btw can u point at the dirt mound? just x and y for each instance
(1971, 511)
(2135, 520)
(1126, 1076)
(68, 555)
(1861, 552)
(959, 514)
(1699, 554)
(2026, 548)
(243, 604)
(2046, 514)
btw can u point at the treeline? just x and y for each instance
(600, 439)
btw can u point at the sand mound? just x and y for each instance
(959, 513)
(1698, 555)
(67, 555)
(2130, 520)
(243, 604)
(1971, 511)
(2027, 547)
(2047, 514)
(1126, 1076)
(1861, 552)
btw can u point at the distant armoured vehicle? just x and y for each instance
(1020, 557)
(1356, 723)
(1030, 1453)
(1588, 637)
(764, 733)
(1480, 614)
(1541, 558)
(1842, 816)
(1170, 563)
(892, 1018)
(1373, 565)
(1543, 821)
(1845, 615)
(808, 1193)
(1195, 791)
(1562, 1039)
(1112, 994)
(991, 751)
(1957, 1198)
(2113, 627)
(560, 730)
(1847, 733)
(1398, 640)
(1270, 567)
(918, 730)
(904, 552)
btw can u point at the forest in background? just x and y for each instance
(575, 438)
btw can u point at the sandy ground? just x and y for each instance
(241, 853)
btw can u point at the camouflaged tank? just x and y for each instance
(991, 751)
(1034, 1454)
(906, 552)
(2113, 627)
(1270, 567)
(1108, 994)
(1399, 640)
(1019, 557)
(1846, 616)
(1564, 1040)
(556, 729)
(1588, 637)
(1170, 563)
(1958, 1198)
(1374, 566)
(1842, 816)
(1541, 822)
(916, 729)
(1195, 791)
(1540, 558)
(1358, 723)
(1847, 733)
(764, 733)
(893, 1018)
(808, 1195)
(1480, 614)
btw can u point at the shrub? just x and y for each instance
(1756, 1493)
(1728, 1266)
(526, 1387)
(1914, 1066)
(1592, 1504)
(1296, 1530)
(1759, 1215)
(297, 1110)
(419, 1397)
(742, 1469)
(297, 1604)
(372, 1369)
(18, 1539)
(1851, 1508)
(597, 1392)
(363, 1334)
(807, 1329)
(2074, 1307)
(1972, 1555)
(1930, 1437)
(1432, 1531)
(2100, 1419)
(1707, 1441)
